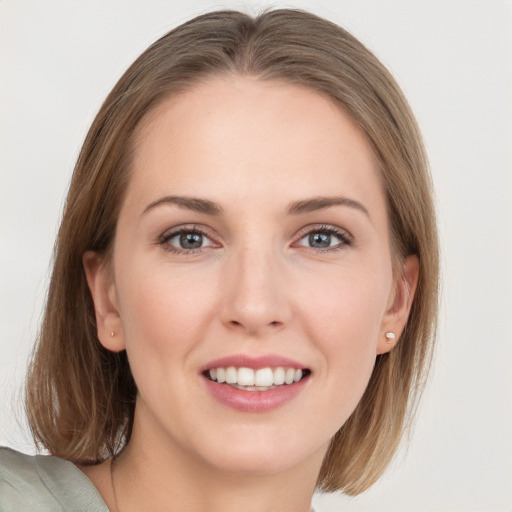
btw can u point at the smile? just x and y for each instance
(251, 379)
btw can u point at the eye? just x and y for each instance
(325, 238)
(186, 240)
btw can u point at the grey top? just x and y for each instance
(42, 484)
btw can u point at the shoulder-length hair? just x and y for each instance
(81, 397)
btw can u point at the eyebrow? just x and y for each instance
(320, 203)
(295, 208)
(189, 203)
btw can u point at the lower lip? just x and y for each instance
(254, 401)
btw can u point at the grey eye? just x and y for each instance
(320, 240)
(186, 240)
(324, 238)
(190, 240)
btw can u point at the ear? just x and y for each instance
(399, 305)
(101, 283)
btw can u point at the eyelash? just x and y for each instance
(197, 230)
(345, 238)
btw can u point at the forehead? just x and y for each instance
(240, 135)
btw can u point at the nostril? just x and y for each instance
(254, 328)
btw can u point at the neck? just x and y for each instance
(169, 478)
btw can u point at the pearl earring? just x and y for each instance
(112, 334)
(390, 336)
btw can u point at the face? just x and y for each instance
(252, 246)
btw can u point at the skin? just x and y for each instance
(256, 286)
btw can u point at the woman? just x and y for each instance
(244, 294)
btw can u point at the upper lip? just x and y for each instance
(254, 362)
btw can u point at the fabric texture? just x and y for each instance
(43, 483)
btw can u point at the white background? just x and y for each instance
(59, 59)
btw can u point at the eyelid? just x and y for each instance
(345, 236)
(170, 233)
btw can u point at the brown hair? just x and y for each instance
(81, 397)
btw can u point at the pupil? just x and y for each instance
(319, 240)
(191, 240)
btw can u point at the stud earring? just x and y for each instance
(390, 336)
(112, 334)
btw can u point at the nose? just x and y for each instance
(254, 294)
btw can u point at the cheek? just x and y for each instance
(344, 321)
(347, 306)
(162, 310)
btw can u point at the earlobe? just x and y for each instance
(103, 291)
(399, 308)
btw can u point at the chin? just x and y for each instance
(254, 453)
(257, 464)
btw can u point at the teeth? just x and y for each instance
(221, 375)
(231, 375)
(279, 376)
(264, 377)
(245, 377)
(289, 375)
(256, 380)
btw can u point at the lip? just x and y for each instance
(254, 362)
(253, 401)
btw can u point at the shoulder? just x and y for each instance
(44, 483)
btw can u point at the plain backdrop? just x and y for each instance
(59, 59)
